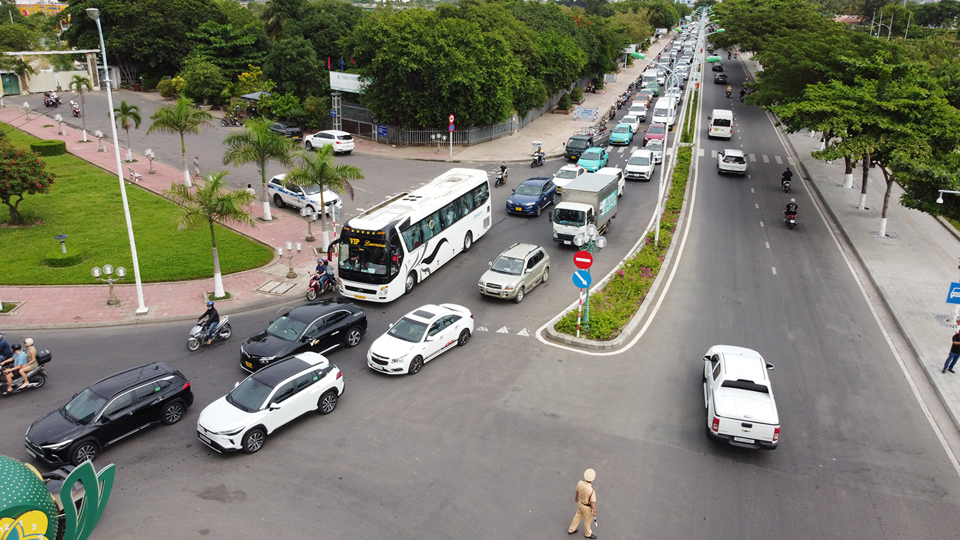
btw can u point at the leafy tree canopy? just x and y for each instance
(230, 48)
(293, 63)
(21, 173)
(749, 24)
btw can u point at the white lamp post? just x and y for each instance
(94, 14)
(150, 156)
(59, 120)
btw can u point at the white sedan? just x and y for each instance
(632, 121)
(420, 336)
(268, 399)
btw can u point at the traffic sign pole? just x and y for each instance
(579, 312)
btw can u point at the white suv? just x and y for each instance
(302, 196)
(341, 140)
(567, 174)
(732, 161)
(640, 166)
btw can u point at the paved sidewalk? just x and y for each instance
(912, 267)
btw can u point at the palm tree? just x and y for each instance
(126, 114)
(276, 12)
(81, 83)
(257, 144)
(211, 203)
(318, 169)
(181, 118)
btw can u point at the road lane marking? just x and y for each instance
(774, 268)
(779, 161)
(753, 158)
(503, 330)
(767, 244)
(752, 191)
(761, 224)
(757, 206)
(713, 153)
(765, 158)
(700, 152)
(482, 329)
(523, 332)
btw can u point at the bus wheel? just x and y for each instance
(468, 242)
(410, 282)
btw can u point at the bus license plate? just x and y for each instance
(743, 440)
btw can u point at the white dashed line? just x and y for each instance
(757, 206)
(753, 157)
(765, 158)
(761, 224)
(767, 244)
(774, 268)
(779, 161)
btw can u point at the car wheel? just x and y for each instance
(519, 297)
(464, 337)
(172, 412)
(546, 275)
(278, 201)
(415, 365)
(410, 283)
(468, 242)
(536, 213)
(328, 401)
(308, 146)
(310, 208)
(193, 344)
(555, 197)
(83, 451)
(253, 440)
(226, 331)
(353, 337)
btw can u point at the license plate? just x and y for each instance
(360, 297)
(32, 453)
(248, 364)
(743, 440)
(519, 209)
(204, 439)
(567, 242)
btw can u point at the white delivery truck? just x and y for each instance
(591, 198)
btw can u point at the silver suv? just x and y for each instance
(517, 270)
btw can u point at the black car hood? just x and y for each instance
(53, 428)
(266, 344)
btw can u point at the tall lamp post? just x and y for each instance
(94, 14)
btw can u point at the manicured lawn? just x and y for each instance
(84, 203)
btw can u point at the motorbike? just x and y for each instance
(314, 289)
(791, 220)
(501, 178)
(729, 92)
(51, 101)
(785, 185)
(36, 377)
(198, 336)
(537, 160)
(76, 111)
(230, 120)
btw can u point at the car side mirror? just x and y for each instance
(709, 118)
(391, 325)
(236, 384)
(564, 143)
(274, 406)
(431, 338)
(528, 270)
(490, 264)
(513, 191)
(769, 366)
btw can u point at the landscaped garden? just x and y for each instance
(84, 203)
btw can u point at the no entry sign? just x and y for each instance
(582, 260)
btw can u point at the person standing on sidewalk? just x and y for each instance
(196, 167)
(954, 354)
(586, 498)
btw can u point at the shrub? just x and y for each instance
(576, 94)
(49, 147)
(58, 259)
(171, 88)
(564, 103)
(599, 83)
(149, 82)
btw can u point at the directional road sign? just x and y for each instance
(953, 297)
(582, 279)
(582, 259)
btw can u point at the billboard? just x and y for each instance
(345, 82)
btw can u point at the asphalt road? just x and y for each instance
(489, 440)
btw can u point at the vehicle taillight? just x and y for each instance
(716, 424)
(339, 374)
(185, 386)
(776, 434)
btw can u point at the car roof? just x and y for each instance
(641, 152)
(519, 250)
(118, 382)
(655, 142)
(624, 125)
(536, 181)
(425, 313)
(744, 364)
(658, 124)
(733, 152)
(571, 166)
(279, 371)
(334, 132)
(310, 312)
(597, 148)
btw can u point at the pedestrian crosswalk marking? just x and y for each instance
(779, 161)
(482, 329)
(753, 158)
(503, 330)
(713, 154)
(765, 158)
(523, 332)
(700, 152)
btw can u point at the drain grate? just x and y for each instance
(275, 287)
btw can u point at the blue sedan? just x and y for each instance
(532, 196)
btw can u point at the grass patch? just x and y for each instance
(688, 119)
(7, 307)
(226, 296)
(84, 203)
(612, 307)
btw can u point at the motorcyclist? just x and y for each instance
(323, 276)
(729, 55)
(503, 171)
(787, 176)
(743, 92)
(213, 319)
(729, 90)
(791, 209)
(19, 360)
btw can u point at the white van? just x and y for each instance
(721, 124)
(665, 111)
(649, 75)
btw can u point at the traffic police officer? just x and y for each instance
(586, 504)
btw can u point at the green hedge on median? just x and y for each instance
(49, 147)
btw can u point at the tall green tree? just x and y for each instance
(21, 173)
(293, 62)
(211, 203)
(203, 79)
(750, 24)
(277, 13)
(181, 119)
(230, 48)
(81, 84)
(257, 144)
(126, 115)
(319, 169)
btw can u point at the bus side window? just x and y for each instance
(450, 214)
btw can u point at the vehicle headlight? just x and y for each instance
(57, 446)
(229, 432)
(510, 202)
(481, 283)
(530, 203)
(508, 288)
(266, 359)
(398, 359)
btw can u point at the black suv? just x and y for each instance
(287, 129)
(109, 411)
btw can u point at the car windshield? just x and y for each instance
(661, 112)
(527, 189)
(592, 155)
(508, 265)
(250, 395)
(408, 330)
(654, 145)
(577, 144)
(567, 173)
(656, 130)
(638, 160)
(622, 129)
(286, 328)
(315, 190)
(565, 216)
(84, 406)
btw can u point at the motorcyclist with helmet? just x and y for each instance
(213, 319)
(323, 273)
(787, 176)
(790, 210)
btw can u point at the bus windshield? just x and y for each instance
(565, 216)
(363, 255)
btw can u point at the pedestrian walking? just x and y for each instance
(253, 192)
(954, 354)
(586, 498)
(196, 167)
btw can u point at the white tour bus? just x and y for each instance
(385, 251)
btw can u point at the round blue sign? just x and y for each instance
(582, 279)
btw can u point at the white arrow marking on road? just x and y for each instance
(482, 329)
(523, 332)
(503, 330)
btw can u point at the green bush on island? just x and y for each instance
(613, 306)
(49, 147)
(59, 259)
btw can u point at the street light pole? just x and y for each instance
(94, 14)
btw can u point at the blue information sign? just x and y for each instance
(333, 113)
(582, 279)
(953, 297)
(382, 131)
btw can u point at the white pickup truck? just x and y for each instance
(740, 406)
